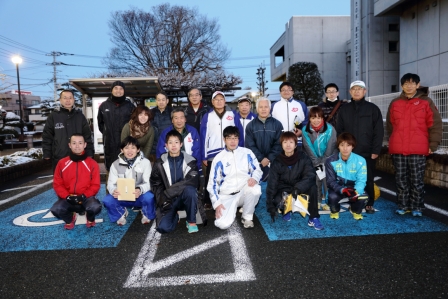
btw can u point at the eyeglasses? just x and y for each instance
(218, 100)
(331, 91)
(285, 90)
(194, 94)
(232, 138)
(409, 84)
(357, 89)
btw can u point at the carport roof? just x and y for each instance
(136, 87)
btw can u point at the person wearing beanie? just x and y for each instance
(113, 115)
(331, 104)
(76, 182)
(292, 113)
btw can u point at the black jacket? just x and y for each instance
(194, 118)
(111, 119)
(160, 180)
(263, 139)
(364, 121)
(328, 106)
(60, 125)
(160, 122)
(301, 176)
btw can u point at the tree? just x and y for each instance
(175, 43)
(308, 84)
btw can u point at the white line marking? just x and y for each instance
(24, 187)
(144, 264)
(429, 207)
(25, 192)
(45, 176)
(377, 178)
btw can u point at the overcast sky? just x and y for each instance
(34, 28)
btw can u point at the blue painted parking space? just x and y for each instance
(30, 226)
(384, 221)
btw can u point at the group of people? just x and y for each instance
(326, 154)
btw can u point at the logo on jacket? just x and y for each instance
(189, 139)
(295, 109)
(59, 126)
(416, 103)
(227, 164)
(106, 110)
(229, 117)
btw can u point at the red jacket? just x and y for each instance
(414, 125)
(78, 178)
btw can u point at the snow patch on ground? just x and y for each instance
(21, 157)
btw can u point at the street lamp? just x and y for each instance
(18, 60)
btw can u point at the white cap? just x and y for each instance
(218, 92)
(358, 83)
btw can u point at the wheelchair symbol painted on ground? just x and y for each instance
(24, 220)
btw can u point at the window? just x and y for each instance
(393, 46)
(394, 27)
(279, 56)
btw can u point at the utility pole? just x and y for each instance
(54, 64)
(261, 80)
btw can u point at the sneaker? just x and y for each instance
(71, 225)
(417, 213)
(334, 215)
(356, 216)
(192, 228)
(402, 211)
(90, 224)
(287, 217)
(247, 223)
(145, 219)
(122, 220)
(240, 210)
(315, 222)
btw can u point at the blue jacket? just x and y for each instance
(191, 144)
(263, 139)
(319, 145)
(242, 123)
(350, 173)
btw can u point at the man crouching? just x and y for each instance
(76, 182)
(174, 181)
(234, 178)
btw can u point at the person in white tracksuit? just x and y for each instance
(234, 181)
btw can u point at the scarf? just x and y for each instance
(118, 100)
(220, 115)
(316, 129)
(289, 161)
(130, 161)
(137, 129)
(78, 158)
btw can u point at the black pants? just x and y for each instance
(333, 202)
(370, 190)
(64, 210)
(312, 204)
(208, 168)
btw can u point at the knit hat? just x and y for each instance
(117, 83)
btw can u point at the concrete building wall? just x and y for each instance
(321, 40)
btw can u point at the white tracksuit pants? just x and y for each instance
(247, 198)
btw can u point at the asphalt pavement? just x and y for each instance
(234, 263)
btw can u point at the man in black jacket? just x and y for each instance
(60, 125)
(363, 120)
(113, 114)
(174, 181)
(196, 108)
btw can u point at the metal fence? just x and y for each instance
(439, 94)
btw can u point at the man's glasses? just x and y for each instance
(285, 90)
(357, 89)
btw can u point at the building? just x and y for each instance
(320, 39)
(10, 102)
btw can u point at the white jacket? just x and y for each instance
(140, 171)
(289, 112)
(230, 171)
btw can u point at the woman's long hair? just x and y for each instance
(316, 111)
(137, 129)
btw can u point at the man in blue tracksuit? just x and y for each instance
(244, 116)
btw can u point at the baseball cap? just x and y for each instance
(244, 98)
(218, 92)
(358, 83)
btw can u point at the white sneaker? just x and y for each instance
(247, 223)
(122, 220)
(241, 210)
(145, 219)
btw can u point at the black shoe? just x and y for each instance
(208, 207)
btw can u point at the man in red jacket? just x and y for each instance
(415, 129)
(76, 182)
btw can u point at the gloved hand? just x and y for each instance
(72, 199)
(273, 214)
(295, 193)
(319, 167)
(81, 198)
(349, 192)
